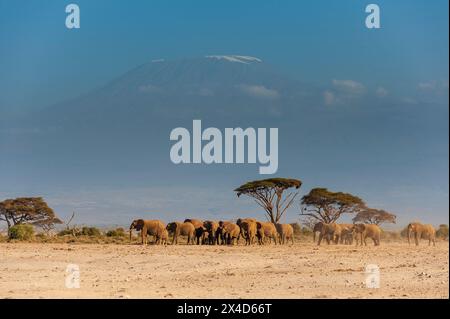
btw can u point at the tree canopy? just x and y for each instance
(374, 216)
(326, 206)
(32, 210)
(268, 193)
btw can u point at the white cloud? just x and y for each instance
(438, 87)
(329, 98)
(349, 88)
(259, 91)
(381, 92)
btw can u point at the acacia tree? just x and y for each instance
(33, 210)
(374, 216)
(268, 193)
(325, 206)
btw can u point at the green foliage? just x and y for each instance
(21, 232)
(32, 210)
(118, 232)
(268, 193)
(442, 231)
(64, 232)
(90, 231)
(327, 206)
(266, 184)
(374, 216)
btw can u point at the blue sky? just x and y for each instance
(43, 62)
(320, 42)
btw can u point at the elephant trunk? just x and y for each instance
(131, 230)
(409, 236)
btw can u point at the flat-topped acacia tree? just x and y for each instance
(268, 193)
(28, 210)
(326, 206)
(374, 216)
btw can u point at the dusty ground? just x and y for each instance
(300, 271)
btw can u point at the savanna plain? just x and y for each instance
(299, 270)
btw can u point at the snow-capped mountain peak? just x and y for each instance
(235, 58)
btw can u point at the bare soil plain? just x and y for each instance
(302, 270)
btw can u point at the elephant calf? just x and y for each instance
(346, 234)
(368, 230)
(211, 228)
(164, 238)
(183, 229)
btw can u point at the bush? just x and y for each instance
(404, 232)
(91, 231)
(66, 231)
(21, 232)
(390, 235)
(297, 228)
(307, 231)
(118, 232)
(442, 231)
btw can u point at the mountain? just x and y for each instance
(119, 134)
(123, 127)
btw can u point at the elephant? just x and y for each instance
(248, 229)
(316, 229)
(199, 229)
(331, 232)
(285, 233)
(266, 230)
(164, 238)
(368, 230)
(202, 235)
(220, 234)
(211, 227)
(148, 227)
(421, 231)
(346, 234)
(183, 229)
(229, 232)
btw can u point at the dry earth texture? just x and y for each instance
(302, 270)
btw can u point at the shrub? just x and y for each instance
(91, 231)
(297, 228)
(390, 235)
(66, 231)
(21, 232)
(442, 231)
(404, 232)
(118, 232)
(306, 231)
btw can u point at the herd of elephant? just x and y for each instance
(253, 231)
(347, 233)
(212, 233)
